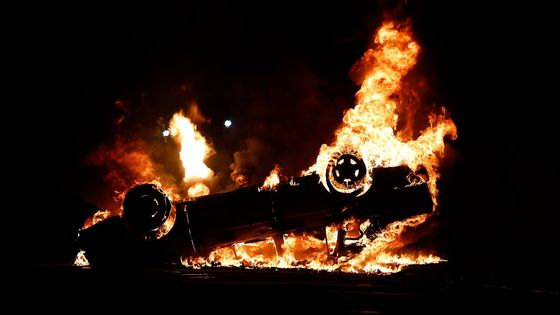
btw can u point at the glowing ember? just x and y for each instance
(369, 131)
(81, 259)
(272, 180)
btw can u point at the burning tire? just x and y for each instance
(146, 209)
(348, 174)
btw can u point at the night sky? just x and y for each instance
(284, 66)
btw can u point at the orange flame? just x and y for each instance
(384, 254)
(97, 217)
(369, 130)
(199, 189)
(273, 179)
(194, 151)
(130, 165)
(127, 161)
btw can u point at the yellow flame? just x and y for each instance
(194, 151)
(273, 179)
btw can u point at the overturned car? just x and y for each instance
(155, 230)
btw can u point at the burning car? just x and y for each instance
(152, 228)
(346, 212)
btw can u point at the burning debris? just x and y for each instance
(81, 259)
(273, 180)
(348, 212)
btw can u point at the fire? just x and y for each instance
(384, 254)
(102, 215)
(273, 179)
(369, 130)
(194, 151)
(199, 189)
(97, 217)
(130, 165)
(239, 179)
(81, 259)
(169, 222)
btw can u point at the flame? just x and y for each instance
(81, 259)
(98, 217)
(194, 151)
(102, 215)
(369, 130)
(273, 179)
(199, 189)
(131, 165)
(240, 180)
(128, 162)
(384, 254)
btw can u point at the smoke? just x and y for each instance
(246, 161)
(195, 115)
(124, 163)
(137, 153)
(286, 118)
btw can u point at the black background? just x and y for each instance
(494, 68)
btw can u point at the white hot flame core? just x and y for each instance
(194, 149)
(81, 259)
